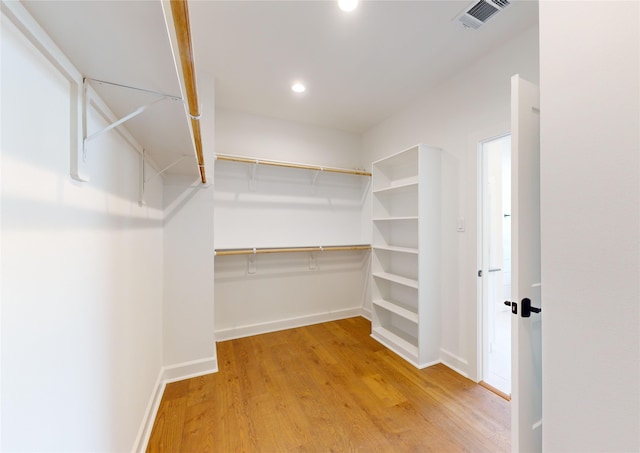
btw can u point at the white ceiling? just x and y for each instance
(359, 67)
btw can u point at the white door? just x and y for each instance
(526, 346)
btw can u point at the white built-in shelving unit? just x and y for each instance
(406, 254)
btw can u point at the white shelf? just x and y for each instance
(396, 343)
(406, 157)
(391, 248)
(393, 219)
(405, 242)
(398, 189)
(397, 279)
(397, 309)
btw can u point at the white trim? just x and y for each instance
(428, 364)
(167, 375)
(188, 370)
(456, 363)
(144, 433)
(365, 313)
(480, 324)
(460, 360)
(283, 324)
(457, 370)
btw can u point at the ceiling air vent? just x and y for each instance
(479, 12)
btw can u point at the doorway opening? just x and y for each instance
(495, 263)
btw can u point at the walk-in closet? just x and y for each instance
(260, 226)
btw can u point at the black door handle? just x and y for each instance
(527, 308)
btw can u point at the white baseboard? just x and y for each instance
(188, 370)
(283, 324)
(454, 362)
(365, 313)
(144, 433)
(422, 366)
(168, 374)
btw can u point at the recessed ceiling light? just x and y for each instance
(298, 87)
(348, 5)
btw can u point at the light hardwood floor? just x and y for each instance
(327, 388)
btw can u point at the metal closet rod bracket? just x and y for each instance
(315, 177)
(252, 177)
(143, 178)
(88, 137)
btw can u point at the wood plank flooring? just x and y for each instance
(327, 388)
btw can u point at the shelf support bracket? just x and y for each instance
(251, 263)
(122, 120)
(180, 159)
(252, 178)
(315, 179)
(144, 180)
(87, 138)
(313, 261)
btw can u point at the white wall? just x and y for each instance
(189, 339)
(249, 135)
(455, 116)
(188, 276)
(285, 208)
(81, 272)
(258, 136)
(286, 292)
(590, 201)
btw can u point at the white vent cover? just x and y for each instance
(480, 12)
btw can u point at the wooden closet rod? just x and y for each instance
(180, 13)
(256, 251)
(275, 163)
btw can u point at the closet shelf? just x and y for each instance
(391, 248)
(387, 219)
(396, 342)
(263, 250)
(397, 279)
(397, 189)
(397, 309)
(250, 160)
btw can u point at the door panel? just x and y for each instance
(526, 391)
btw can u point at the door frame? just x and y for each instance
(479, 139)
